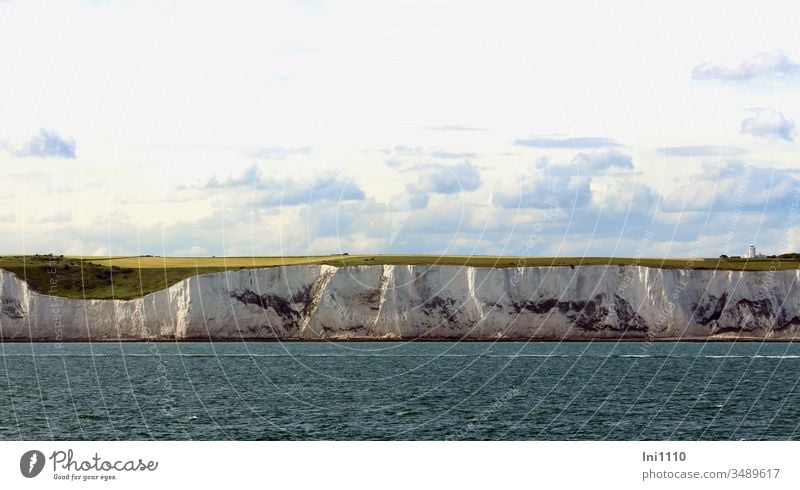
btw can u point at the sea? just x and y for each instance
(400, 391)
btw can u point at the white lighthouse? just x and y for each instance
(752, 254)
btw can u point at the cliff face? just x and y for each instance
(423, 302)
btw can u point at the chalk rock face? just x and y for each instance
(423, 302)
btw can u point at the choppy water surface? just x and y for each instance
(585, 391)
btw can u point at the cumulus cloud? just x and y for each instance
(402, 151)
(563, 185)
(404, 207)
(624, 199)
(409, 200)
(326, 187)
(44, 144)
(405, 151)
(734, 186)
(701, 151)
(287, 192)
(250, 177)
(408, 207)
(545, 187)
(435, 174)
(461, 219)
(598, 161)
(770, 65)
(448, 179)
(768, 123)
(343, 220)
(226, 231)
(584, 142)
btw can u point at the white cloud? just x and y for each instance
(600, 161)
(577, 143)
(194, 251)
(793, 239)
(306, 98)
(44, 144)
(403, 207)
(718, 151)
(265, 191)
(734, 186)
(624, 198)
(448, 179)
(768, 123)
(770, 65)
(545, 187)
(564, 185)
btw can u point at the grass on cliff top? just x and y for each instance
(133, 277)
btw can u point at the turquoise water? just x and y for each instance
(580, 391)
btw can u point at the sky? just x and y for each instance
(313, 127)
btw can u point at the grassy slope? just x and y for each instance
(132, 277)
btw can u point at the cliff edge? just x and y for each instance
(423, 302)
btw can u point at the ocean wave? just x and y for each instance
(199, 355)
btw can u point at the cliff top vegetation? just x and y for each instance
(130, 277)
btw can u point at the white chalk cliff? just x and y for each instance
(423, 302)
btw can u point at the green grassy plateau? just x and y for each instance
(133, 277)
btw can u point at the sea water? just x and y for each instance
(400, 391)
